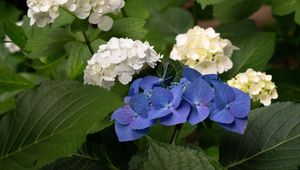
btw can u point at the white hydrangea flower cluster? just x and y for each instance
(257, 84)
(119, 59)
(203, 50)
(9, 45)
(43, 12)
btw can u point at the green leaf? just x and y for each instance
(271, 140)
(172, 22)
(205, 3)
(52, 121)
(100, 151)
(255, 50)
(15, 33)
(7, 12)
(10, 82)
(80, 25)
(166, 156)
(144, 8)
(47, 42)
(283, 7)
(7, 101)
(64, 18)
(127, 27)
(78, 55)
(232, 10)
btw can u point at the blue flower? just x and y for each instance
(230, 107)
(198, 94)
(132, 120)
(192, 74)
(168, 106)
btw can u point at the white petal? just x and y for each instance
(125, 78)
(105, 23)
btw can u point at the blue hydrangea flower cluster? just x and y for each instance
(195, 98)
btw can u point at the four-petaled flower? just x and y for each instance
(230, 107)
(168, 106)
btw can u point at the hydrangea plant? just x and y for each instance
(138, 84)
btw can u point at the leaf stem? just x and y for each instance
(87, 41)
(175, 134)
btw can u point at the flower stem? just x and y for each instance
(175, 134)
(87, 41)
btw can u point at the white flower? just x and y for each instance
(9, 45)
(203, 50)
(119, 59)
(43, 12)
(257, 84)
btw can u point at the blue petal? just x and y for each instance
(141, 123)
(161, 97)
(198, 115)
(135, 87)
(139, 103)
(177, 92)
(124, 115)
(178, 116)
(198, 92)
(210, 77)
(190, 74)
(154, 114)
(223, 116)
(149, 82)
(238, 126)
(224, 94)
(240, 107)
(125, 133)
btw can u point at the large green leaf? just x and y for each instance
(271, 140)
(10, 82)
(127, 27)
(255, 50)
(231, 10)
(51, 122)
(166, 156)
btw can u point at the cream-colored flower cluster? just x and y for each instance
(43, 12)
(119, 59)
(203, 50)
(257, 84)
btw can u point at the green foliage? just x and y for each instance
(47, 42)
(100, 151)
(127, 27)
(205, 3)
(51, 122)
(78, 55)
(15, 33)
(255, 48)
(286, 7)
(164, 134)
(166, 156)
(10, 82)
(232, 10)
(271, 140)
(288, 87)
